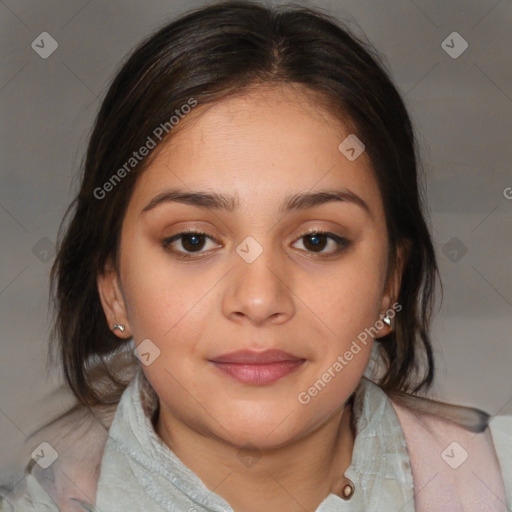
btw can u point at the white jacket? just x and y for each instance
(403, 460)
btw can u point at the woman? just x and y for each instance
(248, 234)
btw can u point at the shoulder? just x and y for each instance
(501, 430)
(62, 468)
(457, 451)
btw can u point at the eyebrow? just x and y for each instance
(216, 201)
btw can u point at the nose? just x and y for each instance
(259, 292)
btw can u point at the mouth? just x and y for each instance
(257, 368)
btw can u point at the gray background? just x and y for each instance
(462, 109)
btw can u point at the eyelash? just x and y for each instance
(342, 243)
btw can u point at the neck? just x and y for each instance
(292, 478)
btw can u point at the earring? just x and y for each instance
(119, 327)
(387, 320)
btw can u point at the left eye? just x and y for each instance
(317, 241)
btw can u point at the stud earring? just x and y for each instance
(119, 327)
(387, 320)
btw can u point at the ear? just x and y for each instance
(112, 300)
(392, 288)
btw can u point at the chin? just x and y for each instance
(272, 431)
(260, 440)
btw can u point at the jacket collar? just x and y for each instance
(380, 466)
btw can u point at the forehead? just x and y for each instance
(272, 115)
(269, 142)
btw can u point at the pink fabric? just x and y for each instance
(444, 479)
(79, 439)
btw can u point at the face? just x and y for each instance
(247, 310)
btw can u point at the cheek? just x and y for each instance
(350, 299)
(160, 306)
(171, 311)
(161, 296)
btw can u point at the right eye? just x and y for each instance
(192, 242)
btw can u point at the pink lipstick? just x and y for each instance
(257, 368)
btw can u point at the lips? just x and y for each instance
(257, 368)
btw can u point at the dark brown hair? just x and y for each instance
(208, 54)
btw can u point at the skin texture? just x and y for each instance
(261, 147)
